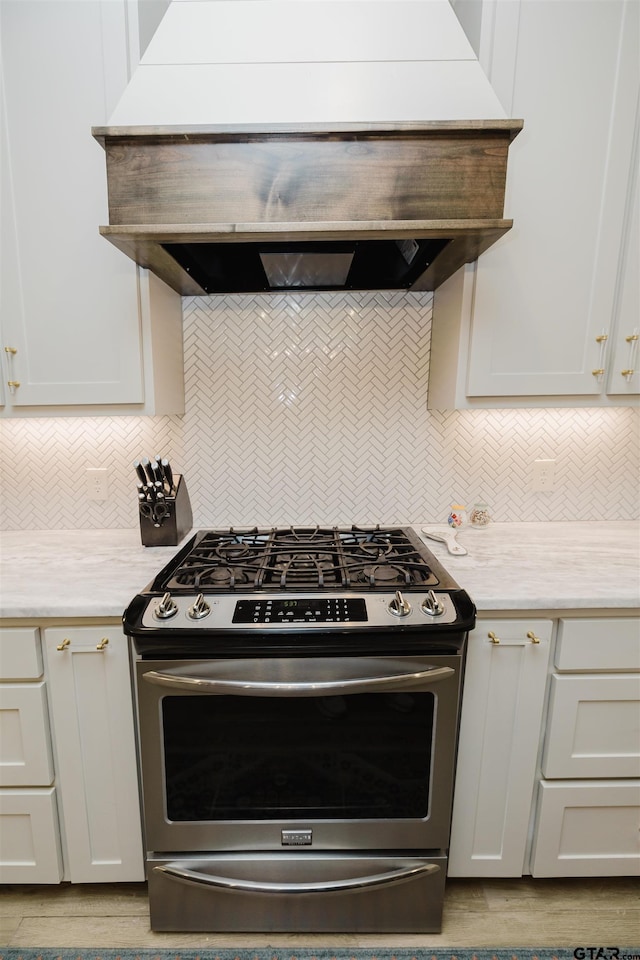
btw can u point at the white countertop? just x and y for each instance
(509, 566)
(552, 566)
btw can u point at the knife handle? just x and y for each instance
(142, 477)
(146, 463)
(168, 475)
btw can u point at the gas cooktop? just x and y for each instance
(300, 581)
(302, 558)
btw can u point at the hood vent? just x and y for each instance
(292, 207)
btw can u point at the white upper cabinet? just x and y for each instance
(71, 306)
(549, 314)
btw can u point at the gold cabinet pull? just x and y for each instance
(65, 643)
(103, 643)
(531, 635)
(493, 637)
(630, 370)
(598, 373)
(12, 384)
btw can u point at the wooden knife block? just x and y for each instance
(175, 525)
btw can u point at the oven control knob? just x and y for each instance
(200, 608)
(432, 606)
(166, 609)
(399, 607)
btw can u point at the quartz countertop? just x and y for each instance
(509, 566)
(550, 566)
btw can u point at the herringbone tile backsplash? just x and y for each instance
(313, 409)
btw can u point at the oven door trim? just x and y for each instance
(430, 832)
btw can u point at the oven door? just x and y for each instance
(336, 753)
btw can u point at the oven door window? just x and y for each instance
(364, 756)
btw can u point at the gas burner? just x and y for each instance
(386, 573)
(222, 575)
(306, 568)
(234, 552)
(373, 548)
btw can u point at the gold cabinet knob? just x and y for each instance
(493, 637)
(103, 643)
(531, 635)
(65, 643)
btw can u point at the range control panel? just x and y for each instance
(296, 611)
(301, 610)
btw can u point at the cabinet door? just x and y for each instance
(68, 299)
(587, 829)
(20, 653)
(25, 754)
(499, 734)
(94, 742)
(29, 837)
(548, 292)
(594, 727)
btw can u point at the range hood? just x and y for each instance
(306, 197)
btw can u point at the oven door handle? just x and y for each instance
(398, 875)
(314, 676)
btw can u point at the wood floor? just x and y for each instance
(490, 913)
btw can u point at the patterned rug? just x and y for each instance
(276, 953)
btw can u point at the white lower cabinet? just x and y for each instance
(587, 820)
(502, 710)
(69, 797)
(548, 775)
(594, 726)
(29, 836)
(95, 756)
(587, 829)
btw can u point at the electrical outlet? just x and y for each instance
(543, 476)
(96, 481)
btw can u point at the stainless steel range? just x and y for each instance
(298, 697)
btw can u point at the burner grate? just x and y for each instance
(311, 558)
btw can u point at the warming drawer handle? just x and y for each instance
(252, 685)
(398, 875)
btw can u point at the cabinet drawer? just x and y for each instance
(25, 754)
(29, 845)
(587, 829)
(598, 645)
(594, 727)
(20, 654)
